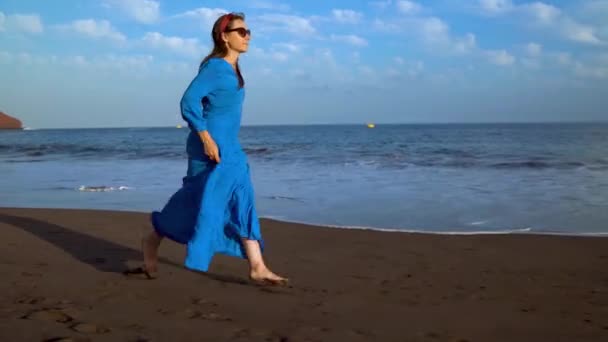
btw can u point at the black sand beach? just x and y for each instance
(61, 274)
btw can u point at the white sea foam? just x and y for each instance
(416, 231)
(103, 188)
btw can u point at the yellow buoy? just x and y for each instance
(370, 125)
(178, 126)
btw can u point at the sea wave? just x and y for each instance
(103, 188)
(354, 155)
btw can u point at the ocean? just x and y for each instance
(438, 178)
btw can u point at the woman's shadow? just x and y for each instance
(104, 255)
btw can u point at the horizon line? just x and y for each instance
(185, 126)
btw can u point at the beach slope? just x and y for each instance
(61, 274)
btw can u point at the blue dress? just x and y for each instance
(215, 206)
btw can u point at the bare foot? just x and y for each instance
(265, 276)
(149, 247)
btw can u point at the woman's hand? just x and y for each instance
(211, 149)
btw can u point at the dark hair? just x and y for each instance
(219, 46)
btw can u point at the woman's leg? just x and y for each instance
(149, 246)
(258, 270)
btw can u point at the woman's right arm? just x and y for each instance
(192, 108)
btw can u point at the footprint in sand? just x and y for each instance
(191, 313)
(210, 316)
(42, 301)
(362, 333)
(432, 335)
(29, 300)
(67, 339)
(89, 328)
(135, 327)
(254, 334)
(61, 316)
(203, 302)
(52, 315)
(273, 290)
(30, 274)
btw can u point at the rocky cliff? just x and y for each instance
(9, 122)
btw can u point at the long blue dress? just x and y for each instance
(215, 206)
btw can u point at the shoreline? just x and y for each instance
(62, 278)
(270, 218)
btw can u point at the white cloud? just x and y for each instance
(347, 16)
(579, 33)
(26, 58)
(385, 25)
(534, 49)
(28, 23)
(366, 70)
(128, 62)
(552, 17)
(563, 58)
(381, 4)
(185, 46)
(95, 29)
(602, 58)
(465, 44)
(408, 7)
(268, 5)
(125, 62)
(5, 57)
(436, 32)
(287, 23)
(266, 71)
(349, 39)
(548, 16)
(327, 55)
(206, 16)
(416, 68)
(500, 57)
(596, 5)
(595, 11)
(432, 31)
(279, 56)
(291, 47)
(597, 72)
(542, 12)
(587, 66)
(78, 60)
(176, 67)
(143, 11)
(108, 62)
(433, 28)
(531, 63)
(495, 6)
(405, 68)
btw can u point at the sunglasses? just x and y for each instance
(241, 31)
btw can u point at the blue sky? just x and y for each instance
(113, 63)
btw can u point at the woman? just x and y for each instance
(214, 210)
